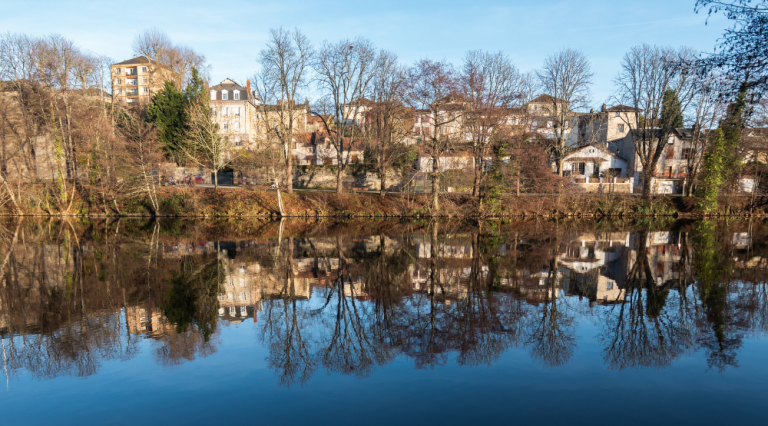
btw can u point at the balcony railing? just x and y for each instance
(132, 93)
(130, 72)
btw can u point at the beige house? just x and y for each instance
(136, 80)
(234, 109)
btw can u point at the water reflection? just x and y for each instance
(347, 298)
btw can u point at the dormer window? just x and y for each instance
(224, 95)
(236, 95)
(213, 95)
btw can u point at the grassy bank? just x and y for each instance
(249, 202)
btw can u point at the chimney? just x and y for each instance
(591, 111)
(602, 109)
(248, 86)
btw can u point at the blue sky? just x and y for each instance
(230, 34)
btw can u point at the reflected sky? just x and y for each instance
(191, 322)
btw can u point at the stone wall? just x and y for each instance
(325, 177)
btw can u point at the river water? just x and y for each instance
(184, 322)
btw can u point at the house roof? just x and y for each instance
(544, 99)
(621, 108)
(230, 86)
(598, 147)
(135, 61)
(363, 102)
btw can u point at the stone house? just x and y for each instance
(673, 168)
(604, 126)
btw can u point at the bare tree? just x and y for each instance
(203, 144)
(344, 71)
(142, 152)
(647, 73)
(388, 122)
(171, 63)
(432, 91)
(490, 84)
(566, 77)
(284, 68)
(704, 112)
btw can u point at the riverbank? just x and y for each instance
(255, 202)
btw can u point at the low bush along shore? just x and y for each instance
(233, 202)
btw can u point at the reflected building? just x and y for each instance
(595, 265)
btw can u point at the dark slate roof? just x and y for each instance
(135, 61)
(621, 108)
(230, 86)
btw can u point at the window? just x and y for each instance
(224, 95)
(621, 128)
(549, 124)
(225, 112)
(145, 90)
(237, 141)
(226, 126)
(237, 111)
(119, 81)
(687, 153)
(617, 114)
(144, 80)
(609, 285)
(213, 112)
(118, 70)
(237, 126)
(213, 95)
(143, 69)
(577, 168)
(236, 94)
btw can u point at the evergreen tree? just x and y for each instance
(714, 171)
(671, 111)
(168, 112)
(195, 91)
(722, 163)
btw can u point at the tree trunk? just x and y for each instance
(647, 183)
(435, 184)
(478, 175)
(215, 179)
(383, 185)
(339, 180)
(289, 171)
